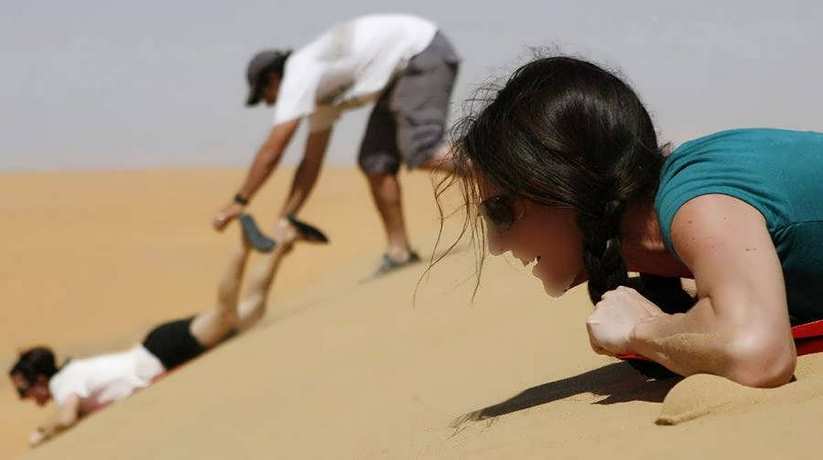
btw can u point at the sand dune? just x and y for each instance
(342, 369)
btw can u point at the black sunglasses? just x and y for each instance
(499, 212)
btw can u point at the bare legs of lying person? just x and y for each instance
(231, 313)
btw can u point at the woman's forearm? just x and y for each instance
(700, 342)
(681, 344)
(66, 416)
(686, 343)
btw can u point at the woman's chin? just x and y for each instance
(552, 287)
(579, 279)
(553, 293)
(558, 288)
(555, 289)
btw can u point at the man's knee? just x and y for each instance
(420, 142)
(441, 160)
(378, 165)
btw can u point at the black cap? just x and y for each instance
(261, 67)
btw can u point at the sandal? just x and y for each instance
(389, 265)
(265, 244)
(256, 238)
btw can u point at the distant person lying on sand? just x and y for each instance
(82, 386)
(565, 167)
(404, 65)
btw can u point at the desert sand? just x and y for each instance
(341, 369)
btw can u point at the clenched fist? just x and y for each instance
(611, 324)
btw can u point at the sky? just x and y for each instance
(94, 84)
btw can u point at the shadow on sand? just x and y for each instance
(617, 382)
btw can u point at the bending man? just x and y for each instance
(403, 64)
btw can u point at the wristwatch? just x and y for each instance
(241, 200)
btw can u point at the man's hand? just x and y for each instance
(611, 324)
(226, 215)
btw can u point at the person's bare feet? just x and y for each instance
(290, 229)
(284, 232)
(287, 231)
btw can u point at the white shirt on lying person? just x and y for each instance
(348, 66)
(100, 380)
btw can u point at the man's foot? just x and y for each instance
(389, 265)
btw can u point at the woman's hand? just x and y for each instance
(611, 324)
(37, 437)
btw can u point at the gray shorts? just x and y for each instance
(408, 122)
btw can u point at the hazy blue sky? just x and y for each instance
(113, 84)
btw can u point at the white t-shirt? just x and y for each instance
(348, 66)
(100, 380)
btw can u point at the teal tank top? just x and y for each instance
(779, 173)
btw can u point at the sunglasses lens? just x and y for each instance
(498, 212)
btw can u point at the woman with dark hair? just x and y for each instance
(565, 167)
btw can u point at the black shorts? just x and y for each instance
(408, 122)
(173, 343)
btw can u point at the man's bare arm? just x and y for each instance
(267, 158)
(306, 175)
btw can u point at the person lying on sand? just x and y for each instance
(82, 386)
(564, 164)
(404, 65)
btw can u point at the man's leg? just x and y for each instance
(441, 161)
(410, 120)
(379, 160)
(421, 101)
(211, 327)
(388, 197)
